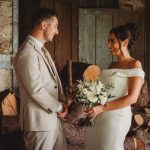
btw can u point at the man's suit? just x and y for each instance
(40, 88)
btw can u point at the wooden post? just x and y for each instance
(69, 62)
(69, 74)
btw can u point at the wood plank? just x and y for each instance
(147, 53)
(5, 79)
(86, 37)
(103, 56)
(81, 34)
(5, 61)
(124, 13)
(93, 35)
(74, 31)
(63, 40)
(6, 27)
(98, 3)
(139, 47)
(25, 19)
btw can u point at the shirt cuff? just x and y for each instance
(59, 108)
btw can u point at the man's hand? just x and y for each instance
(63, 114)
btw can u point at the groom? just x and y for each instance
(42, 102)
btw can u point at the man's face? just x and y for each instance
(51, 29)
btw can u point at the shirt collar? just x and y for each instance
(39, 43)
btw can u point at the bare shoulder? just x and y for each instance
(136, 64)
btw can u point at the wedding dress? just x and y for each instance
(110, 128)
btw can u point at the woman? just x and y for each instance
(112, 121)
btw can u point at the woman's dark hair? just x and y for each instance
(41, 14)
(128, 31)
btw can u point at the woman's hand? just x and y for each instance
(92, 112)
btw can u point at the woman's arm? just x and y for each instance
(134, 87)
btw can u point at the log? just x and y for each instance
(130, 143)
(145, 138)
(92, 73)
(138, 137)
(140, 145)
(147, 110)
(144, 96)
(138, 119)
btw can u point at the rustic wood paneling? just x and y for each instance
(47, 4)
(5, 61)
(94, 27)
(74, 31)
(103, 56)
(63, 40)
(26, 9)
(124, 14)
(87, 47)
(135, 11)
(68, 25)
(65, 44)
(9, 28)
(5, 79)
(6, 27)
(98, 3)
(138, 17)
(147, 53)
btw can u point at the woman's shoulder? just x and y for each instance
(134, 63)
(134, 68)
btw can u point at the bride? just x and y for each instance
(112, 121)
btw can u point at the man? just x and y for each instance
(41, 95)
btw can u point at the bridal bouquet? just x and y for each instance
(91, 91)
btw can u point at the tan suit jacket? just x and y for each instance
(40, 89)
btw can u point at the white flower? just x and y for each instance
(92, 97)
(80, 86)
(99, 86)
(92, 87)
(103, 99)
(91, 93)
(84, 91)
(87, 84)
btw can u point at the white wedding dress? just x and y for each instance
(110, 128)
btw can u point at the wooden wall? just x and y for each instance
(65, 44)
(147, 52)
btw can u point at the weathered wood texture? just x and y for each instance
(135, 11)
(98, 3)
(94, 26)
(139, 133)
(5, 27)
(5, 79)
(8, 42)
(65, 45)
(147, 51)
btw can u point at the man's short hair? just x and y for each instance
(42, 14)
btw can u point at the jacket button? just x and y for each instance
(55, 87)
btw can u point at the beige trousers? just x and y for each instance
(45, 140)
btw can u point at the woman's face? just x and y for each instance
(113, 44)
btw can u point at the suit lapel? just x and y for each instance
(42, 54)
